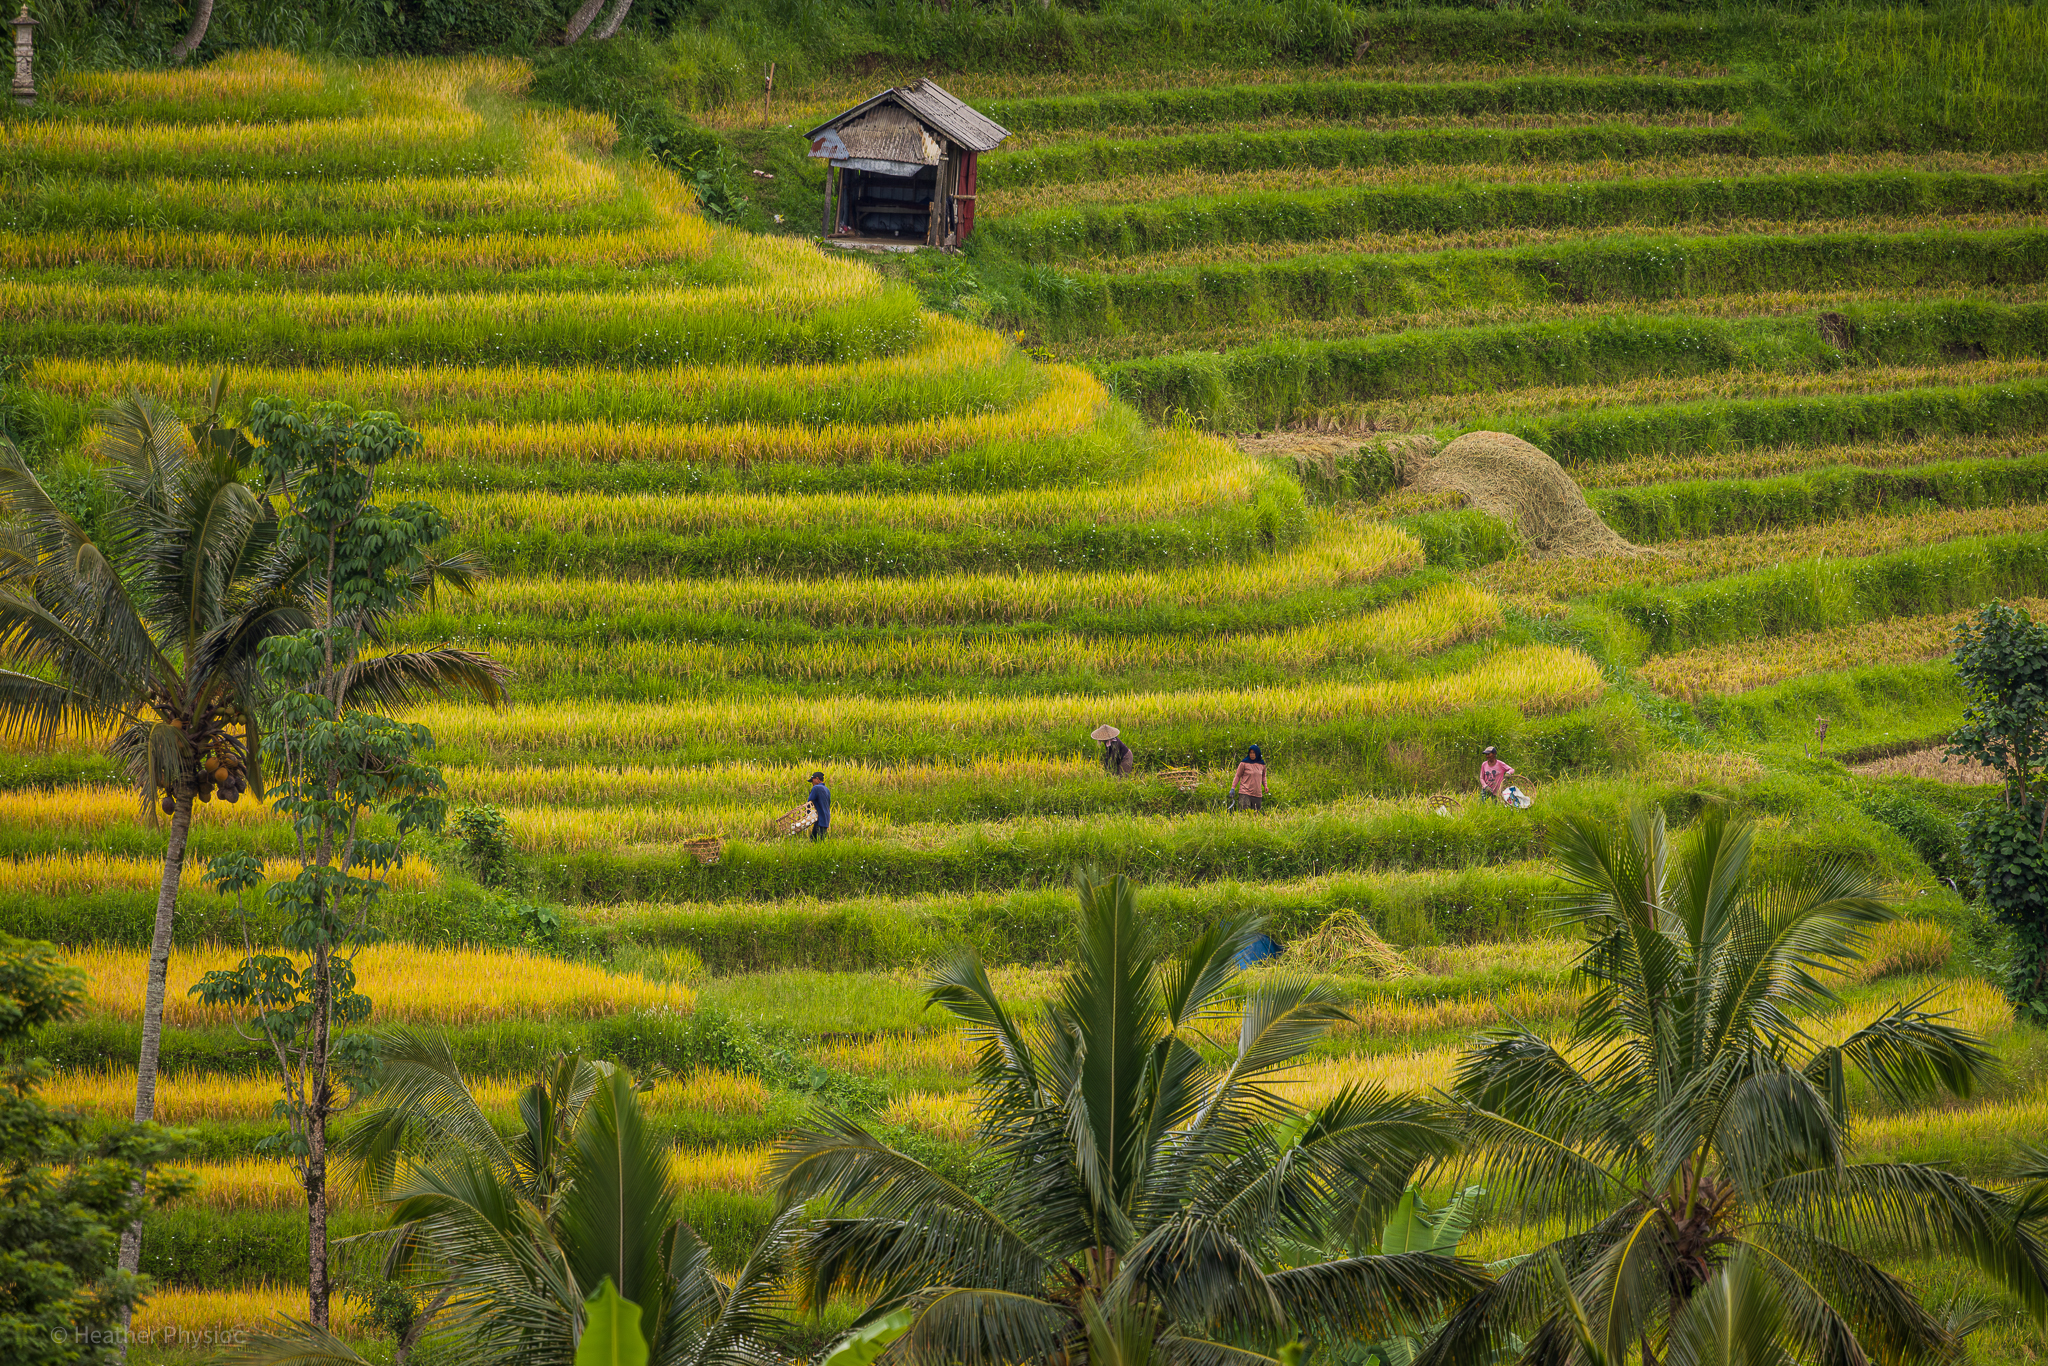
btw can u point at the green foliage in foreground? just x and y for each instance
(1269, 384)
(2002, 664)
(529, 1226)
(1814, 594)
(65, 1200)
(1693, 1136)
(1134, 1190)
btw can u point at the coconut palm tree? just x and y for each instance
(510, 1238)
(1137, 1202)
(149, 632)
(1693, 1130)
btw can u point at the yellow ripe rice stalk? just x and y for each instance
(185, 1098)
(1713, 556)
(304, 138)
(678, 239)
(707, 1091)
(949, 346)
(1070, 403)
(257, 1183)
(72, 874)
(1993, 1128)
(1343, 551)
(85, 810)
(553, 179)
(181, 1098)
(405, 983)
(1971, 1002)
(1537, 679)
(1192, 474)
(1722, 670)
(210, 1321)
(245, 75)
(760, 786)
(949, 1050)
(736, 1170)
(1195, 182)
(948, 1115)
(652, 308)
(1435, 619)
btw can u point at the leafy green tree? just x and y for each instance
(153, 630)
(2002, 659)
(148, 632)
(334, 767)
(63, 1200)
(1693, 1131)
(1139, 1202)
(511, 1240)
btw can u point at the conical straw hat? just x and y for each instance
(1104, 733)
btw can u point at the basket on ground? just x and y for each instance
(1182, 778)
(797, 821)
(706, 850)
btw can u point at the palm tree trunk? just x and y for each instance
(202, 15)
(580, 20)
(153, 1003)
(614, 19)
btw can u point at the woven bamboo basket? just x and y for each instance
(706, 851)
(1182, 778)
(797, 821)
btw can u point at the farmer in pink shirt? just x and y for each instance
(1493, 775)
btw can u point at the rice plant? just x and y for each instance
(406, 984)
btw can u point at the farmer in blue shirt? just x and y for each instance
(821, 797)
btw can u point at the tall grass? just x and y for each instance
(1822, 593)
(1269, 384)
(405, 983)
(1723, 670)
(1131, 227)
(1340, 552)
(1434, 620)
(1534, 679)
(1966, 74)
(1172, 107)
(954, 368)
(1378, 282)
(1663, 512)
(1242, 150)
(823, 314)
(1688, 562)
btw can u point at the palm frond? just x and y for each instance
(1907, 1054)
(403, 678)
(1736, 1319)
(970, 1326)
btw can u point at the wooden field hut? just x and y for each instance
(900, 167)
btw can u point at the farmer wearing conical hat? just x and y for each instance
(1117, 758)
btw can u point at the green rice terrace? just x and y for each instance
(1170, 444)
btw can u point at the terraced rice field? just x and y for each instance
(751, 509)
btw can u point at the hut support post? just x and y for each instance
(831, 184)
